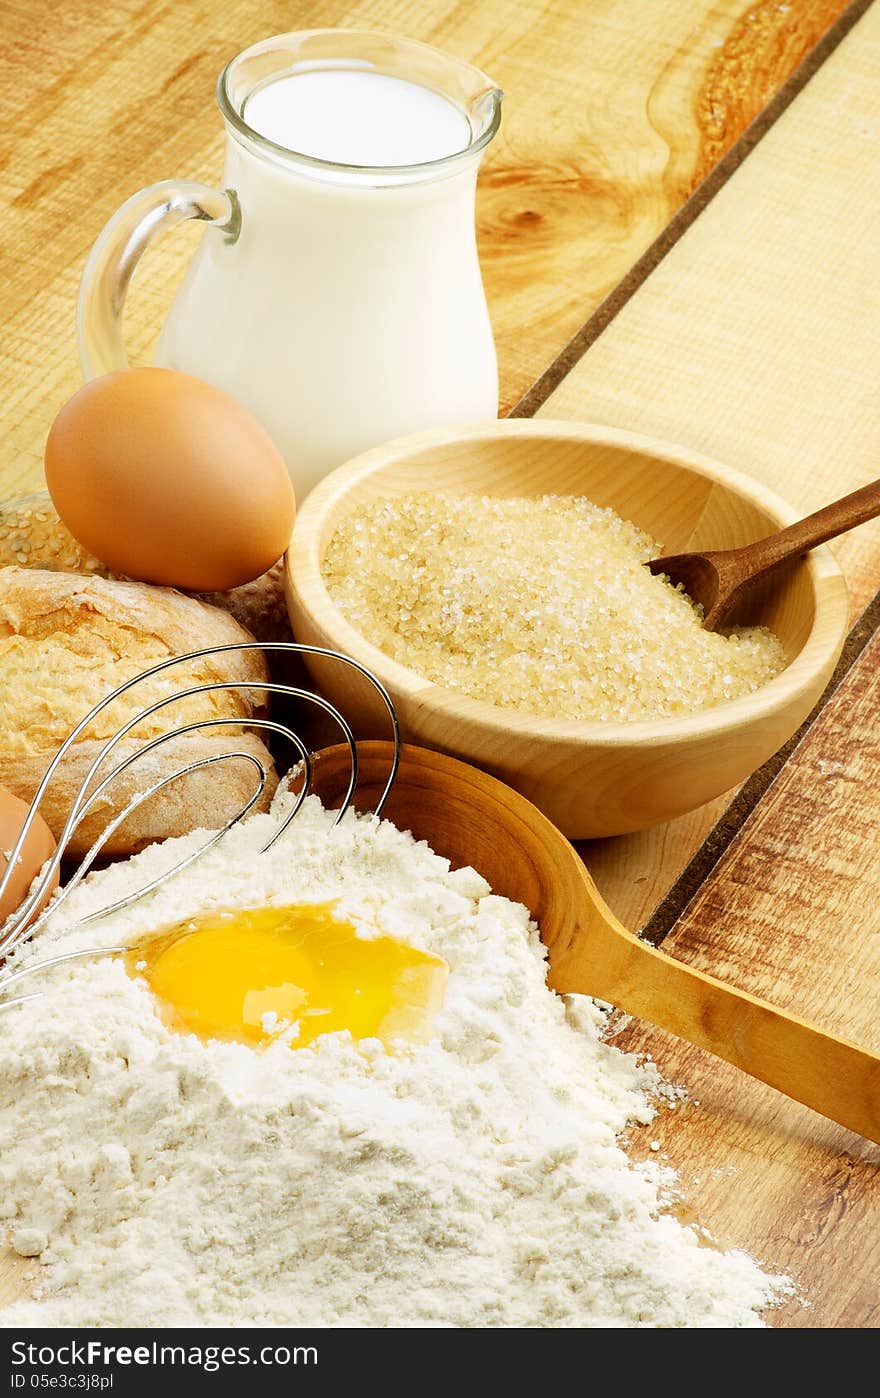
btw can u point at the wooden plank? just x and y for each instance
(17, 1275)
(791, 914)
(750, 342)
(613, 114)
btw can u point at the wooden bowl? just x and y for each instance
(590, 778)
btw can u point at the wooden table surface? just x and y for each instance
(678, 229)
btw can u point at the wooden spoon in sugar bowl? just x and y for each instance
(719, 580)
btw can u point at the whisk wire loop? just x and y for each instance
(22, 924)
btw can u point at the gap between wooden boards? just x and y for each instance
(536, 396)
(723, 832)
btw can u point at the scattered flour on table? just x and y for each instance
(472, 1181)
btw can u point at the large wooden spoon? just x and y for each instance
(718, 580)
(472, 818)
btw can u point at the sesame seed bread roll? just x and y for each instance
(33, 536)
(65, 642)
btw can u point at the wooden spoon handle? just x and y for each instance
(829, 1074)
(827, 523)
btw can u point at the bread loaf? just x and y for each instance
(65, 642)
(33, 536)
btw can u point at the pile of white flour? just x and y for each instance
(475, 1180)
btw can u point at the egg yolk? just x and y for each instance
(249, 974)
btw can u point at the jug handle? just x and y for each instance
(118, 250)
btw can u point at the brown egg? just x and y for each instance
(167, 479)
(38, 847)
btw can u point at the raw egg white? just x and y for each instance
(167, 479)
(38, 847)
(252, 973)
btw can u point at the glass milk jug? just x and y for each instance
(340, 302)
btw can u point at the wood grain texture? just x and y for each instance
(97, 100)
(17, 1275)
(753, 59)
(791, 913)
(751, 342)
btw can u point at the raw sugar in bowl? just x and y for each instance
(336, 292)
(592, 778)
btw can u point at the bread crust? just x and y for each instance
(65, 641)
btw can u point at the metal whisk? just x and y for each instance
(18, 927)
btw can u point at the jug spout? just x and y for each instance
(485, 112)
